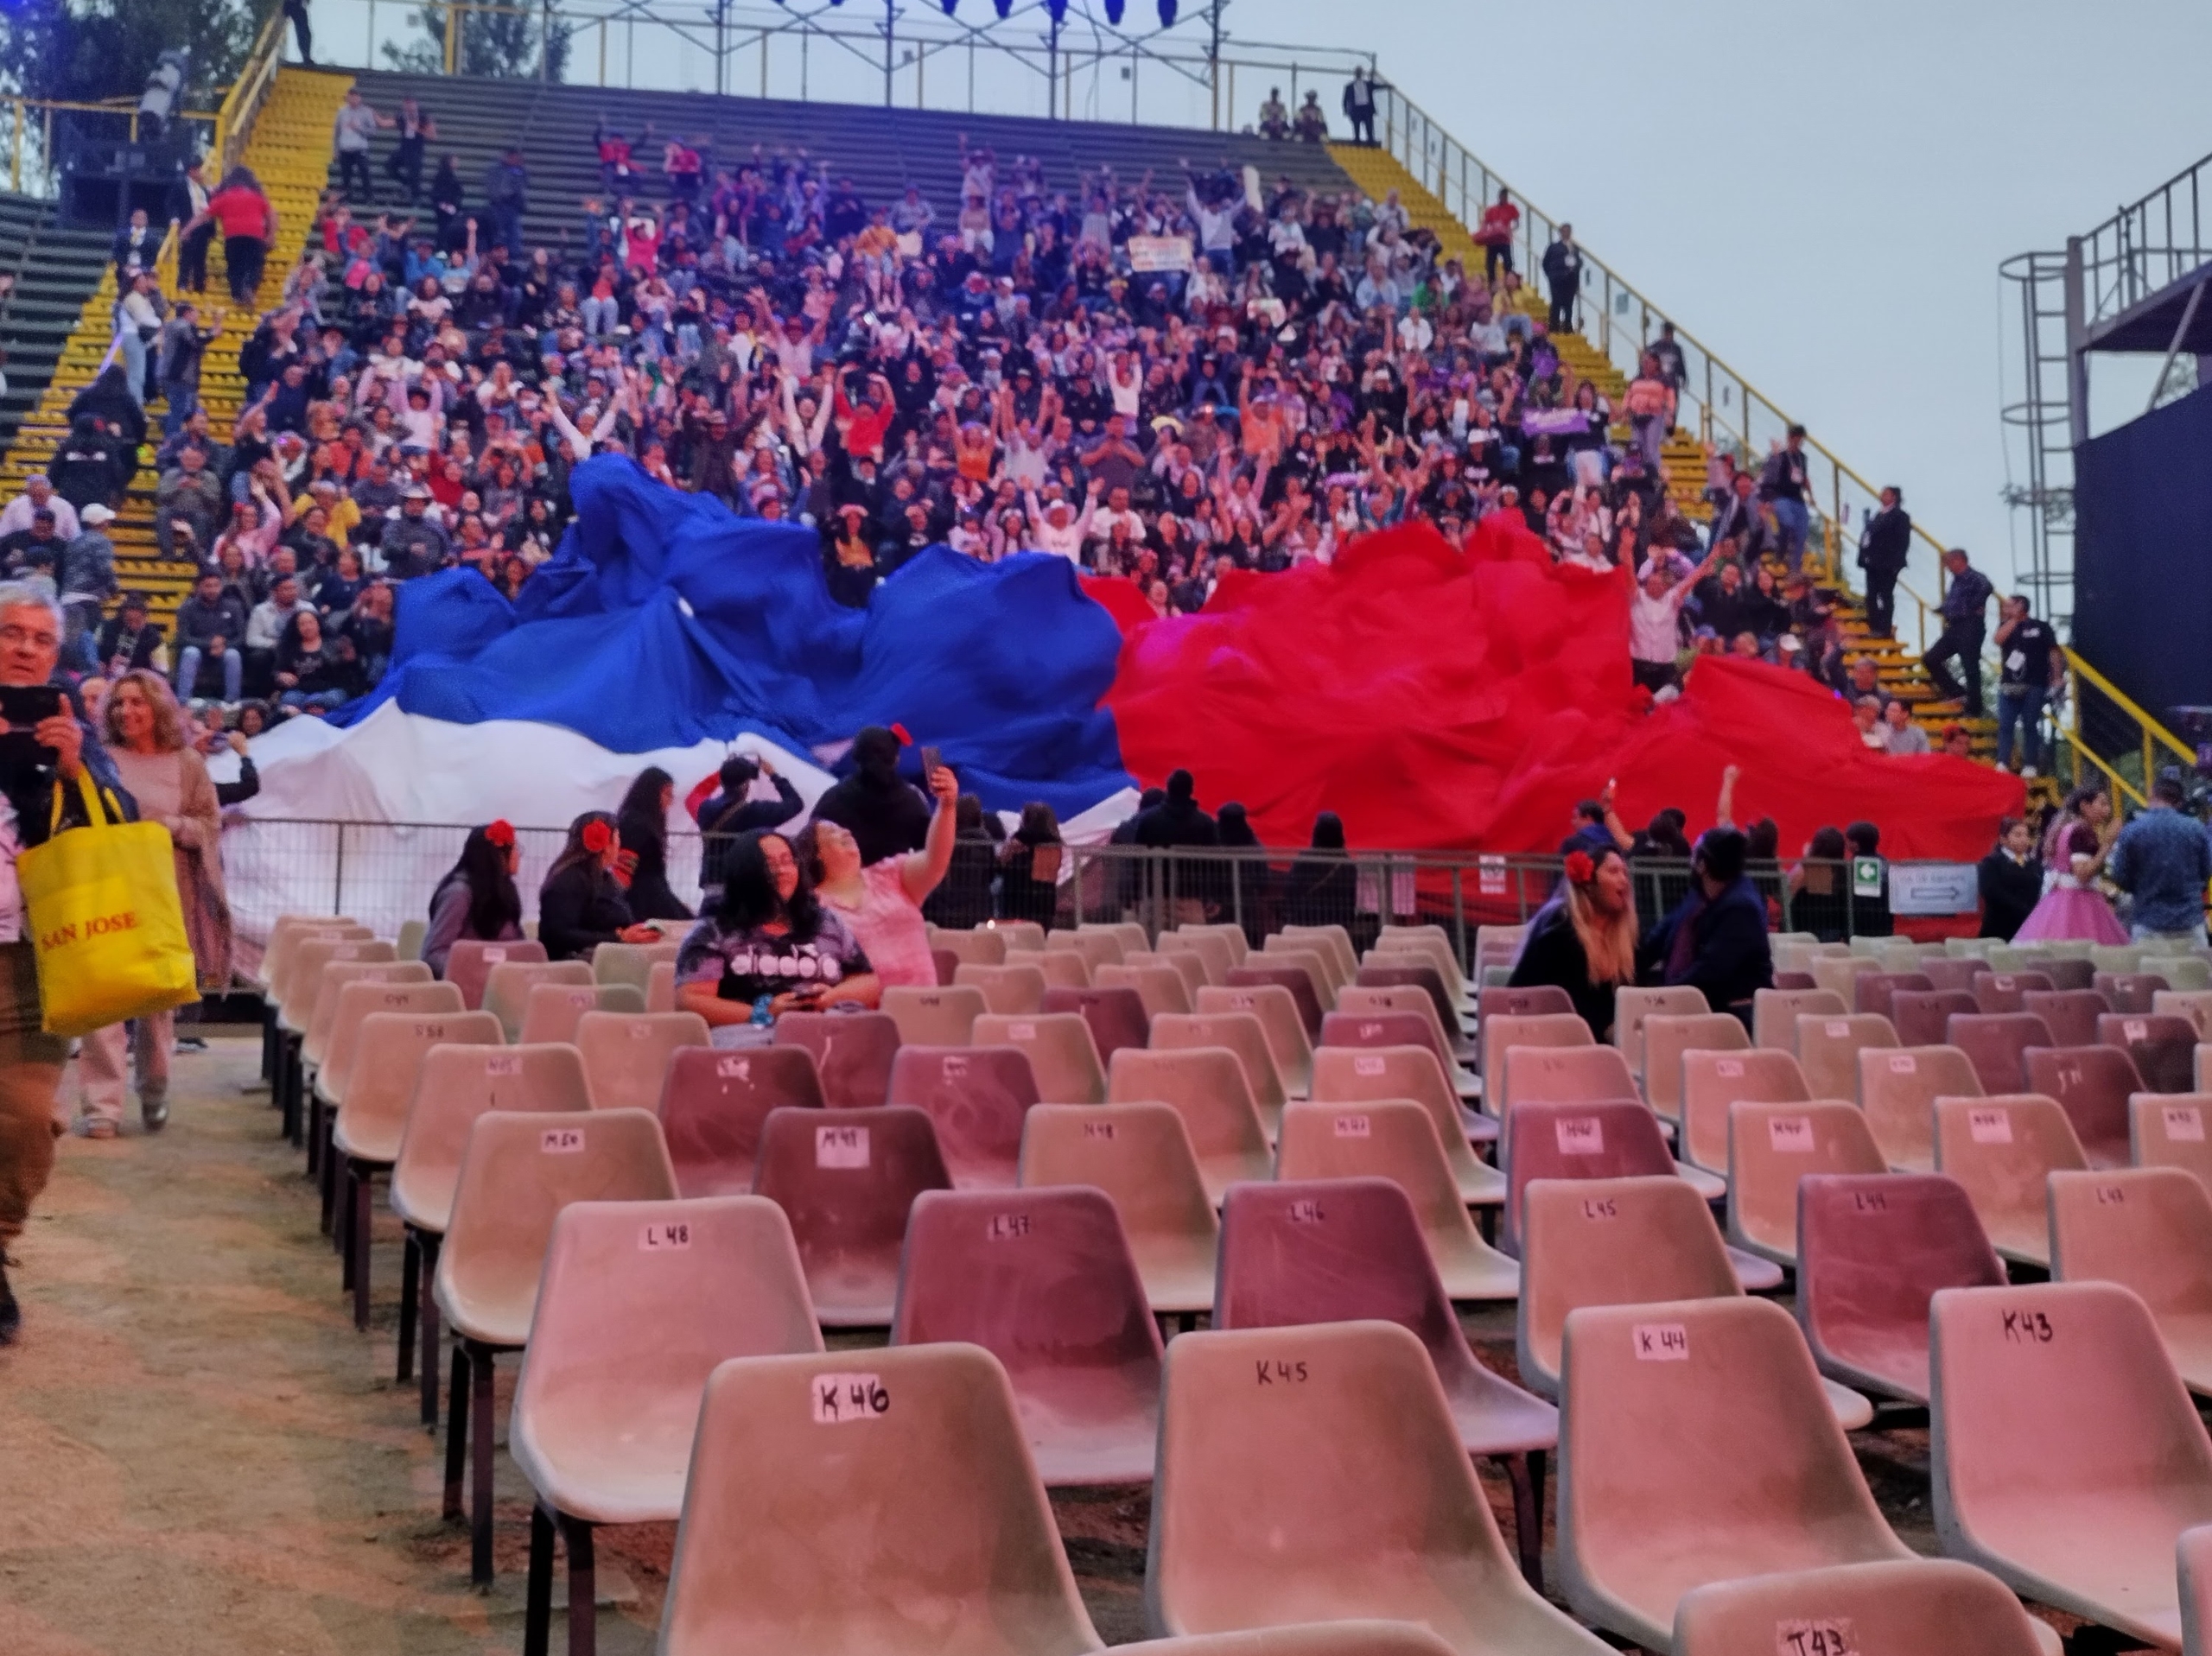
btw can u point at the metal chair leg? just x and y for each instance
(430, 1326)
(1526, 1473)
(360, 1179)
(537, 1594)
(480, 1521)
(410, 1284)
(456, 1430)
(583, 1587)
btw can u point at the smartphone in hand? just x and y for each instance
(930, 759)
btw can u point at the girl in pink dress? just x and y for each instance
(881, 903)
(2074, 908)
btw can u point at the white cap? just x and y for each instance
(96, 514)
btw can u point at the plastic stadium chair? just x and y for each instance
(976, 1097)
(1345, 1250)
(1063, 968)
(1771, 1148)
(352, 992)
(1504, 1029)
(2163, 1046)
(1243, 1034)
(1631, 1241)
(852, 1053)
(1922, 1019)
(1284, 1024)
(1116, 1017)
(508, 984)
(1140, 1156)
(1206, 1086)
(1389, 1028)
(660, 987)
(1212, 952)
(845, 1180)
(1956, 976)
(1631, 1006)
(1359, 1076)
(1187, 966)
(1328, 1489)
(1775, 1013)
(1787, 980)
(1579, 1075)
(1009, 990)
(2091, 1085)
(1841, 977)
(2067, 975)
(626, 1054)
(1018, 933)
(2186, 972)
(1710, 1082)
(814, 1478)
(551, 1012)
(1898, 1090)
(1996, 1044)
(1667, 1036)
(303, 980)
(631, 963)
(944, 966)
(1538, 1000)
(2120, 959)
(1159, 987)
(2195, 1005)
(1697, 1445)
(714, 1102)
(1295, 978)
(1871, 994)
(1829, 1049)
(1394, 947)
(2070, 1014)
(1364, 1001)
(285, 936)
(975, 946)
(2003, 1149)
(1336, 941)
(2134, 993)
(2150, 1230)
(1930, 1604)
(1044, 1281)
(339, 976)
(1317, 957)
(1062, 1056)
(1229, 933)
(639, 1304)
(934, 1017)
(1133, 936)
(1396, 1140)
(2001, 992)
(2172, 1130)
(2066, 1456)
(1384, 972)
(1097, 947)
(520, 1169)
(1871, 1251)
(2201, 1067)
(2193, 1559)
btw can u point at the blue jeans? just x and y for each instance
(134, 361)
(1794, 522)
(312, 701)
(188, 672)
(2022, 706)
(181, 400)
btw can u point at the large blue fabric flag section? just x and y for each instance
(665, 620)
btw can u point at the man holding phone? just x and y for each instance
(47, 744)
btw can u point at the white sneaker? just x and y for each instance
(2027, 773)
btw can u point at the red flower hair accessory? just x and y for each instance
(1579, 868)
(500, 833)
(900, 730)
(597, 837)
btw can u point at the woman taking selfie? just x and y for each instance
(580, 905)
(145, 736)
(1583, 940)
(881, 903)
(769, 944)
(477, 898)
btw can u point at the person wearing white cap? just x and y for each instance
(87, 582)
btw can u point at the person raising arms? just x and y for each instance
(881, 903)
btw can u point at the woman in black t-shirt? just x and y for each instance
(1583, 939)
(769, 937)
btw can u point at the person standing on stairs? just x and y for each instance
(296, 12)
(1359, 107)
(1965, 611)
(188, 207)
(1563, 275)
(2032, 666)
(1883, 547)
(1785, 484)
(351, 133)
(249, 225)
(404, 166)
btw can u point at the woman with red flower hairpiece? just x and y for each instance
(582, 904)
(1583, 939)
(477, 898)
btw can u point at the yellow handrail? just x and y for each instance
(234, 121)
(2151, 727)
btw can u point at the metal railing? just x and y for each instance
(1620, 321)
(242, 104)
(30, 143)
(2122, 744)
(383, 874)
(2147, 245)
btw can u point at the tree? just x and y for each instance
(87, 50)
(503, 45)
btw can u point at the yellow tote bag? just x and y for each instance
(101, 908)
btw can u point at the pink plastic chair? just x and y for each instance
(2000, 992)
(976, 1097)
(1116, 1016)
(1995, 1044)
(1292, 978)
(1795, 980)
(714, 1103)
(1871, 991)
(2072, 1014)
(1957, 974)
(1376, 974)
(1043, 1280)
(2068, 974)
(2163, 1046)
(1872, 1250)
(1385, 1029)
(2091, 1085)
(469, 965)
(845, 1180)
(946, 963)
(1921, 1017)
(852, 1053)
(1497, 1001)
(2129, 991)
(1303, 1251)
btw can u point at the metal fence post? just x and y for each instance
(338, 875)
(1459, 913)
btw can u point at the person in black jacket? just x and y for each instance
(581, 906)
(1178, 822)
(1583, 940)
(886, 814)
(1322, 888)
(2010, 878)
(128, 639)
(727, 813)
(62, 748)
(642, 822)
(963, 898)
(1716, 940)
(1885, 546)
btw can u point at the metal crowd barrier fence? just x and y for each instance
(383, 874)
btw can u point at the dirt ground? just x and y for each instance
(198, 1455)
